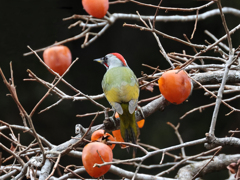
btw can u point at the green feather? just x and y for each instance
(128, 125)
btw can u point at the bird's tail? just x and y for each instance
(128, 125)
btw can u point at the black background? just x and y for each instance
(39, 24)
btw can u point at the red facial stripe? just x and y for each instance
(120, 57)
(106, 64)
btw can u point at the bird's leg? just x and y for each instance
(139, 108)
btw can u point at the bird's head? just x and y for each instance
(112, 60)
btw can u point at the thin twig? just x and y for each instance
(191, 157)
(61, 42)
(137, 169)
(81, 139)
(207, 163)
(179, 137)
(154, 20)
(195, 25)
(20, 161)
(228, 64)
(164, 8)
(13, 92)
(55, 166)
(57, 75)
(163, 155)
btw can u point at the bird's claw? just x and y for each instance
(139, 108)
(110, 123)
(112, 120)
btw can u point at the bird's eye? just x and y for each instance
(105, 59)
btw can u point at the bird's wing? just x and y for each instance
(135, 94)
(117, 107)
(132, 105)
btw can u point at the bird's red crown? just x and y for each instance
(120, 57)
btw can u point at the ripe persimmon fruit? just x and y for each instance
(118, 136)
(175, 86)
(141, 123)
(96, 8)
(100, 136)
(96, 135)
(58, 58)
(91, 155)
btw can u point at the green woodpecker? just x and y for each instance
(121, 89)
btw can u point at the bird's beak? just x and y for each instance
(100, 60)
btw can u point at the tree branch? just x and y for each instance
(219, 162)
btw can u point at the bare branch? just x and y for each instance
(164, 8)
(206, 163)
(227, 141)
(179, 137)
(228, 65)
(219, 162)
(188, 158)
(11, 152)
(195, 25)
(116, 16)
(123, 173)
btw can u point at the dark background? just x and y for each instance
(39, 24)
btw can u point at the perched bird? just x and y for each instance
(121, 89)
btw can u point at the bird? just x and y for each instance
(121, 89)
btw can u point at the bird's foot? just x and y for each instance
(111, 122)
(112, 119)
(139, 108)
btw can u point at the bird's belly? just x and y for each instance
(122, 94)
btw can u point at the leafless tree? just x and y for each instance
(40, 159)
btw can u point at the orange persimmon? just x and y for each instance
(175, 86)
(100, 136)
(96, 8)
(91, 155)
(58, 58)
(141, 123)
(118, 136)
